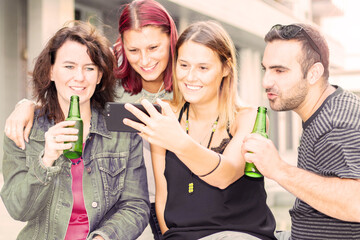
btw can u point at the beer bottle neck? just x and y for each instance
(260, 122)
(74, 109)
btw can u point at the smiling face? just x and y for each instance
(74, 74)
(147, 51)
(199, 72)
(283, 79)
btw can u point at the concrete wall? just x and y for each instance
(2, 75)
(45, 17)
(25, 27)
(12, 61)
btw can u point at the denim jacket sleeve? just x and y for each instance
(27, 184)
(130, 214)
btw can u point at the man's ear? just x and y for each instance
(315, 73)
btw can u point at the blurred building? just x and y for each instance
(26, 25)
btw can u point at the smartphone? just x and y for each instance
(115, 113)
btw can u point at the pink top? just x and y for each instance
(79, 223)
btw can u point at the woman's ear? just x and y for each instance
(315, 73)
(226, 69)
(99, 77)
(51, 74)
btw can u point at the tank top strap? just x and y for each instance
(228, 130)
(183, 109)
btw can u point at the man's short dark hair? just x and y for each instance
(310, 55)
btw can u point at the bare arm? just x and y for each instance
(165, 131)
(336, 197)
(19, 123)
(158, 161)
(333, 196)
(202, 160)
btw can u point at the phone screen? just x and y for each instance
(115, 113)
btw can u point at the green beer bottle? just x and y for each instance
(74, 115)
(260, 128)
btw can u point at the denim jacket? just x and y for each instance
(114, 185)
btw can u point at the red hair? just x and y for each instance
(136, 15)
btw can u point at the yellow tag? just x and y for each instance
(191, 187)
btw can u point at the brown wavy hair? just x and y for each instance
(99, 51)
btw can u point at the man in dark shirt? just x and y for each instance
(326, 180)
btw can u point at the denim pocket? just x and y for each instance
(113, 170)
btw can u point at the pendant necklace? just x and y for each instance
(213, 129)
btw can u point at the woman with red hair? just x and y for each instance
(145, 48)
(144, 52)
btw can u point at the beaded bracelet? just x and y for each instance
(213, 169)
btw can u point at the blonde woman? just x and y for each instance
(201, 190)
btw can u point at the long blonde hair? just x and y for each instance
(213, 35)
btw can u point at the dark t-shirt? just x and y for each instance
(330, 146)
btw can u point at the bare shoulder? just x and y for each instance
(246, 111)
(245, 119)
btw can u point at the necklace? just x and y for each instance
(148, 96)
(213, 129)
(158, 92)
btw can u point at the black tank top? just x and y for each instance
(207, 210)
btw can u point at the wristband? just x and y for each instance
(213, 169)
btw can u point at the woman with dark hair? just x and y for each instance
(144, 51)
(101, 195)
(201, 190)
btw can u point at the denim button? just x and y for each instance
(88, 169)
(94, 204)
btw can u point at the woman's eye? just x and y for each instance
(90, 69)
(69, 67)
(153, 47)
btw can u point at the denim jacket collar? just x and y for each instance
(97, 125)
